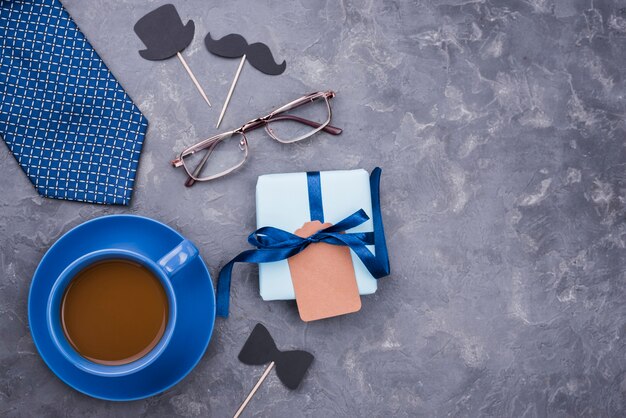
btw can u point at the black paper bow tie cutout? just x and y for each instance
(260, 348)
(235, 46)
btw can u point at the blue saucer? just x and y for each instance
(192, 285)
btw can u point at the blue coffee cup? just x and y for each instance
(164, 269)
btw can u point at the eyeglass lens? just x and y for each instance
(225, 154)
(295, 124)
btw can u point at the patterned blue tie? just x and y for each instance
(68, 122)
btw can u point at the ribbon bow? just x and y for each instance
(275, 244)
(260, 348)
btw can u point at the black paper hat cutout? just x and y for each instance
(163, 33)
(236, 46)
(291, 366)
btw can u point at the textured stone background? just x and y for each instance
(500, 129)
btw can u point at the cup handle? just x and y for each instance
(176, 259)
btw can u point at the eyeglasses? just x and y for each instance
(228, 151)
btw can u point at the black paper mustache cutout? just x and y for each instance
(235, 46)
(163, 33)
(260, 348)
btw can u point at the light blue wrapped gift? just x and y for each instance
(282, 201)
(349, 200)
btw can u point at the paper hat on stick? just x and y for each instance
(291, 366)
(164, 35)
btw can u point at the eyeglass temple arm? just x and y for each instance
(190, 181)
(302, 101)
(256, 124)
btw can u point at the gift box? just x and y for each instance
(320, 240)
(282, 201)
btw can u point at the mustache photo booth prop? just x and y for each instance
(164, 35)
(260, 348)
(235, 46)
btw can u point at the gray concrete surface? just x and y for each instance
(500, 129)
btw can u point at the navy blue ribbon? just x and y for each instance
(274, 244)
(316, 208)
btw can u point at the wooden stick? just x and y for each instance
(193, 78)
(230, 92)
(254, 389)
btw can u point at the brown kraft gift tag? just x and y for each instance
(323, 278)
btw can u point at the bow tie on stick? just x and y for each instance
(260, 348)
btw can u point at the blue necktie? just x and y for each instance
(68, 122)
